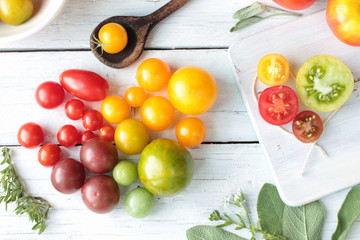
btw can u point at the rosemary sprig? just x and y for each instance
(238, 200)
(13, 191)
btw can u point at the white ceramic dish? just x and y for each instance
(45, 11)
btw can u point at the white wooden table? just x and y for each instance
(230, 158)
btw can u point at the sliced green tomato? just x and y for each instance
(324, 83)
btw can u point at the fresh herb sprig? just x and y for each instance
(13, 191)
(238, 200)
(250, 15)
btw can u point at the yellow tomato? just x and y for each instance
(113, 38)
(16, 12)
(190, 132)
(135, 96)
(114, 109)
(192, 90)
(157, 113)
(131, 136)
(153, 74)
(273, 70)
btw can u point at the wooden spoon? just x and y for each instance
(138, 29)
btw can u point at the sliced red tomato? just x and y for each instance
(307, 126)
(278, 105)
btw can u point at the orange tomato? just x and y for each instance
(192, 90)
(190, 132)
(273, 69)
(343, 18)
(157, 113)
(114, 109)
(113, 38)
(135, 96)
(153, 74)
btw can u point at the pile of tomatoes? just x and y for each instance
(191, 90)
(323, 84)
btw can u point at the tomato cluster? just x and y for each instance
(279, 104)
(191, 90)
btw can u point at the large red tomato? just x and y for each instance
(343, 18)
(295, 4)
(85, 85)
(165, 167)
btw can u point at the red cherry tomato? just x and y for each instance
(86, 135)
(30, 135)
(92, 120)
(278, 105)
(74, 109)
(85, 85)
(307, 126)
(68, 135)
(49, 95)
(49, 154)
(343, 19)
(107, 132)
(295, 4)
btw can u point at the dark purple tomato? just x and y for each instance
(30, 135)
(101, 194)
(49, 94)
(85, 85)
(74, 109)
(68, 135)
(68, 176)
(92, 120)
(98, 155)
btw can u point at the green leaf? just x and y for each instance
(249, 11)
(348, 213)
(270, 210)
(303, 222)
(245, 23)
(203, 232)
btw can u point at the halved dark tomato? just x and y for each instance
(278, 105)
(273, 69)
(307, 126)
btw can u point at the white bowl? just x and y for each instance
(45, 11)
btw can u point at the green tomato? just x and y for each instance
(165, 167)
(131, 136)
(324, 83)
(125, 173)
(139, 202)
(16, 12)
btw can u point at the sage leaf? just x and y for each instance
(203, 232)
(305, 222)
(270, 210)
(245, 23)
(249, 11)
(348, 213)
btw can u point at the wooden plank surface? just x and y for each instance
(199, 24)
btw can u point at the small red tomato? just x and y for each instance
(92, 120)
(68, 135)
(107, 132)
(295, 4)
(86, 135)
(49, 154)
(30, 135)
(74, 109)
(85, 85)
(307, 126)
(49, 94)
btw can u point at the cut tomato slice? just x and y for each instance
(278, 105)
(273, 69)
(307, 126)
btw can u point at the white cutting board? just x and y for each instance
(298, 41)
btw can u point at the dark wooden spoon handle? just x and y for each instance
(165, 11)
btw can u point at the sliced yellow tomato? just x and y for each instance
(273, 69)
